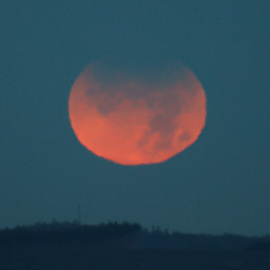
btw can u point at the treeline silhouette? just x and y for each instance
(70, 245)
(184, 241)
(67, 231)
(121, 235)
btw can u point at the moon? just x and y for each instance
(133, 120)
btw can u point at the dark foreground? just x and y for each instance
(126, 247)
(145, 259)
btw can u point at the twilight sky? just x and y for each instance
(219, 184)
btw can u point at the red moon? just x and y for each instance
(132, 121)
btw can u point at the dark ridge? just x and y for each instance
(65, 233)
(116, 235)
(69, 246)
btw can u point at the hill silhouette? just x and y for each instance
(71, 245)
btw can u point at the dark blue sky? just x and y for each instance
(219, 184)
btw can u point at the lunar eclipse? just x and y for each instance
(131, 120)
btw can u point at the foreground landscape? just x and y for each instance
(126, 246)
